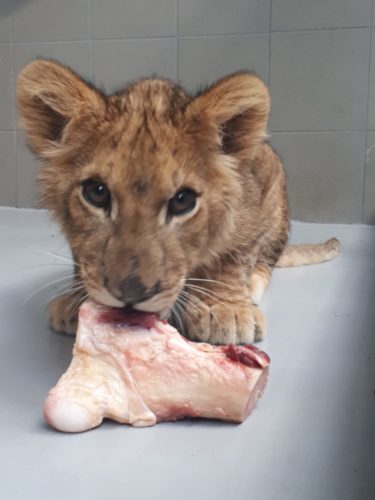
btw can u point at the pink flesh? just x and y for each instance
(139, 370)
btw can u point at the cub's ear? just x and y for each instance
(238, 105)
(49, 97)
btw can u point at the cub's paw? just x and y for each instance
(63, 314)
(239, 323)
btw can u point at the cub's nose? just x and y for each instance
(133, 290)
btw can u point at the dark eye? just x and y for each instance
(182, 202)
(96, 193)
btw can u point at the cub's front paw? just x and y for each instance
(231, 323)
(63, 314)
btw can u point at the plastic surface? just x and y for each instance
(312, 436)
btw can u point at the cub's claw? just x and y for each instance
(63, 314)
(239, 323)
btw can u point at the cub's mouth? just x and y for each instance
(159, 303)
(156, 292)
(127, 316)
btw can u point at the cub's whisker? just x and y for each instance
(53, 264)
(190, 304)
(47, 285)
(212, 281)
(57, 255)
(70, 287)
(79, 300)
(187, 298)
(177, 315)
(78, 288)
(183, 306)
(209, 293)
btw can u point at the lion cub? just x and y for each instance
(171, 203)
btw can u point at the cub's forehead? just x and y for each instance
(143, 118)
(139, 160)
(142, 144)
(136, 159)
(162, 98)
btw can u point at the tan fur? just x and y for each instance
(259, 281)
(209, 267)
(302, 255)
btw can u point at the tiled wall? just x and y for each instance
(318, 58)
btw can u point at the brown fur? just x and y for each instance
(209, 267)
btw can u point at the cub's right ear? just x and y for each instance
(50, 97)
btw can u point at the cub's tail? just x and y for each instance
(303, 255)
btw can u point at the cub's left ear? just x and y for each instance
(238, 105)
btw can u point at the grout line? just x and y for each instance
(225, 35)
(243, 33)
(338, 28)
(162, 37)
(177, 41)
(87, 40)
(90, 43)
(13, 74)
(50, 42)
(14, 131)
(269, 46)
(365, 160)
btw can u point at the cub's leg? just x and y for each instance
(269, 253)
(63, 310)
(62, 313)
(259, 281)
(217, 308)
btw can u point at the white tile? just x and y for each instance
(325, 174)
(315, 14)
(49, 20)
(319, 80)
(117, 62)
(7, 169)
(133, 18)
(202, 60)
(5, 29)
(6, 88)
(219, 17)
(371, 99)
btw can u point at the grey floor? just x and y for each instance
(312, 436)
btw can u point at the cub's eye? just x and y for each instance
(96, 193)
(182, 202)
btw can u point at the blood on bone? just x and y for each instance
(120, 318)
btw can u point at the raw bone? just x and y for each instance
(138, 370)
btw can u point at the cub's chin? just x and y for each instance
(105, 298)
(161, 307)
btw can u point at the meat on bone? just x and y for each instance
(138, 370)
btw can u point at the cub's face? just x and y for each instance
(144, 183)
(145, 207)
